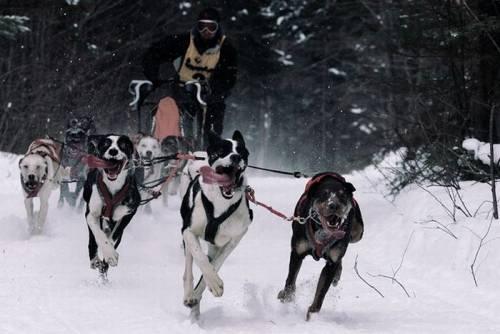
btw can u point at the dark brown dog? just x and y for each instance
(330, 219)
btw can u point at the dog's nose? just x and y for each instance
(235, 158)
(31, 177)
(149, 154)
(331, 206)
(113, 152)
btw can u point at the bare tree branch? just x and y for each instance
(394, 280)
(361, 278)
(441, 227)
(492, 164)
(481, 243)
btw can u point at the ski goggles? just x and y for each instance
(208, 25)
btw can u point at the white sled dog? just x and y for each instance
(41, 173)
(148, 149)
(215, 209)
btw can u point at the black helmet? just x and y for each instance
(209, 13)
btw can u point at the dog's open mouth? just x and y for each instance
(31, 185)
(225, 177)
(333, 225)
(114, 168)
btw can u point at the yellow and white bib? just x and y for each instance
(199, 66)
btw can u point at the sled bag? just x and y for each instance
(167, 122)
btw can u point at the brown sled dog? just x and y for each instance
(330, 219)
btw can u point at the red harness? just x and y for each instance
(51, 149)
(110, 201)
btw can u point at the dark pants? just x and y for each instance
(193, 116)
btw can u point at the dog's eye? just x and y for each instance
(37, 167)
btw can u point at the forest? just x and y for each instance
(321, 84)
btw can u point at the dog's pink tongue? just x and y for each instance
(211, 177)
(94, 162)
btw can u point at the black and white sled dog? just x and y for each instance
(214, 209)
(41, 173)
(332, 220)
(112, 198)
(148, 149)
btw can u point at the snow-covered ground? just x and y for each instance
(46, 285)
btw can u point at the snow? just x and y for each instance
(338, 72)
(481, 150)
(357, 110)
(46, 285)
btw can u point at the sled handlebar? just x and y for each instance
(134, 88)
(197, 84)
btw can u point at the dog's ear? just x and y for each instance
(349, 187)
(238, 137)
(20, 162)
(213, 138)
(136, 138)
(126, 145)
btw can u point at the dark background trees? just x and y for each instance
(322, 84)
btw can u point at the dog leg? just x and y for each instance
(338, 273)
(189, 300)
(212, 253)
(109, 253)
(288, 293)
(42, 214)
(60, 202)
(324, 282)
(213, 280)
(28, 204)
(217, 256)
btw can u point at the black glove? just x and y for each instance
(215, 98)
(145, 90)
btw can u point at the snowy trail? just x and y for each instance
(46, 285)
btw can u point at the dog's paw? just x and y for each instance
(190, 301)
(195, 313)
(95, 263)
(310, 310)
(111, 257)
(286, 295)
(215, 284)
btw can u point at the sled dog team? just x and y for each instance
(214, 207)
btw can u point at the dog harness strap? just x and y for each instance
(51, 148)
(213, 223)
(193, 189)
(111, 201)
(319, 246)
